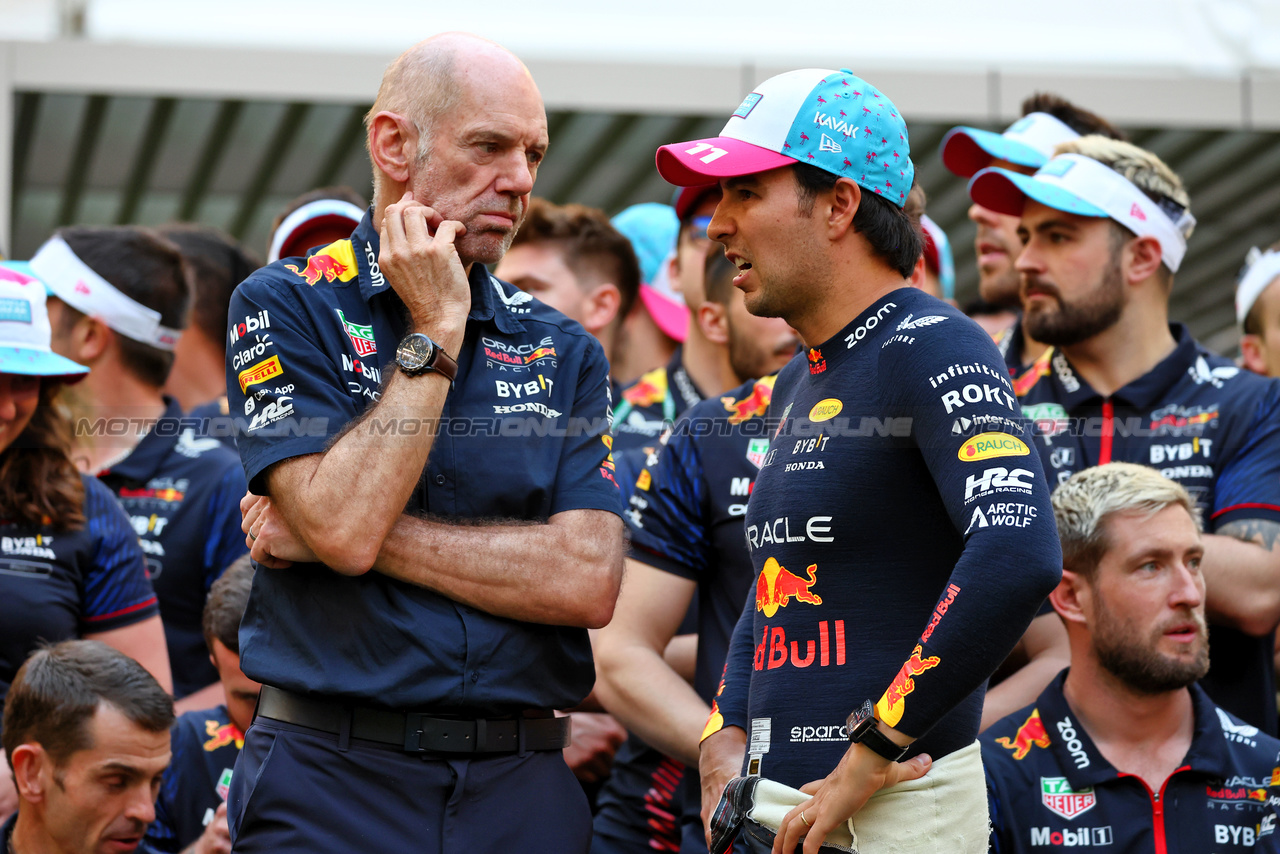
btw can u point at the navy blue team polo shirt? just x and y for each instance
(205, 745)
(523, 436)
(902, 536)
(1197, 419)
(1050, 789)
(56, 585)
(182, 493)
(653, 402)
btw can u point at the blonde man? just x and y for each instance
(1105, 226)
(1080, 766)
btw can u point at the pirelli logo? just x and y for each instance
(259, 372)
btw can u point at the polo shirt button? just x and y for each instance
(440, 480)
(475, 677)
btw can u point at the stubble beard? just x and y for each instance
(1136, 662)
(1071, 323)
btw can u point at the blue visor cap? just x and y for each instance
(1006, 192)
(966, 150)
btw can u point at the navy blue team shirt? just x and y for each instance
(1050, 789)
(205, 745)
(1197, 419)
(523, 436)
(902, 537)
(182, 494)
(652, 402)
(56, 585)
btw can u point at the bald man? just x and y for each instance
(425, 594)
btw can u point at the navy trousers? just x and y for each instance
(294, 790)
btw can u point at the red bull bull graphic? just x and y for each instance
(170, 494)
(220, 735)
(773, 651)
(892, 705)
(715, 721)
(751, 406)
(335, 262)
(777, 586)
(540, 353)
(817, 364)
(649, 390)
(1030, 734)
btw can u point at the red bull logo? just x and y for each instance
(893, 703)
(751, 406)
(220, 735)
(335, 262)
(817, 364)
(773, 651)
(540, 353)
(649, 390)
(170, 494)
(777, 586)
(1030, 734)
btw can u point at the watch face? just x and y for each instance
(414, 352)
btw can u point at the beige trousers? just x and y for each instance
(945, 810)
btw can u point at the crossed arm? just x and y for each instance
(1242, 575)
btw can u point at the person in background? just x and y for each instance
(940, 265)
(574, 260)
(315, 218)
(1024, 146)
(1124, 751)
(70, 563)
(1258, 311)
(687, 544)
(86, 736)
(1105, 226)
(120, 296)
(659, 319)
(218, 263)
(191, 812)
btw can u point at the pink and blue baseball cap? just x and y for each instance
(1080, 185)
(831, 119)
(1030, 141)
(24, 328)
(652, 229)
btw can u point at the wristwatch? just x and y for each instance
(862, 729)
(418, 354)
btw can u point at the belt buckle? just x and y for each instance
(413, 729)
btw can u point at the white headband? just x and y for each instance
(1263, 269)
(1115, 195)
(311, 210)
(75, 283)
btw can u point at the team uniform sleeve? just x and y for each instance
(667, 513)
(300, 398)
(117, 590)
(225, 541)
(585, 478)
(1005, 571)
(729, 706)
(1248, 485)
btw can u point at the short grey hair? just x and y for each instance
(1083, 504)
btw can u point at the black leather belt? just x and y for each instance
(416, 732)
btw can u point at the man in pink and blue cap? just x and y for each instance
(865, 643)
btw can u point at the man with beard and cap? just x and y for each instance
(454, 543)
(1024, 146)
(864, 641)
(1124, 752)
(1105, 226)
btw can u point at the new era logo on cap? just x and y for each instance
(1136, 213)
(831, 119)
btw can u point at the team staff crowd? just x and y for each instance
(713, 527)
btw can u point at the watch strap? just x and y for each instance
(442, 363)
(882, 745)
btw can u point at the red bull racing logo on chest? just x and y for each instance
(220, 735)
(1030, 734)
(751, 406)
(777, 586)
(335, 262)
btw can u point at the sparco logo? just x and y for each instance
(1074, 745)
(868, 325)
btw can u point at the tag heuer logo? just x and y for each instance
(1056, 794)
(757, 449)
